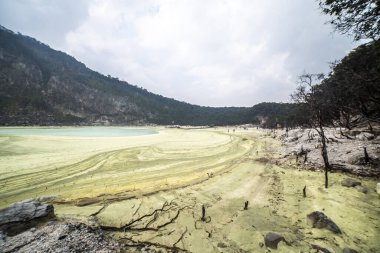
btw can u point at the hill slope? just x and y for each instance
(42, 86)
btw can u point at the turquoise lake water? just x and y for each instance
(76, 131)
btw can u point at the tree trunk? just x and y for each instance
(370, 127)
(324, 153)
(366, 156)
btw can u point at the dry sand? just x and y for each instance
(111, 182)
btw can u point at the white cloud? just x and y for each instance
(215, 52)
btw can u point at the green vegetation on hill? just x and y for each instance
(349, 96)
(272, 115)
(42, 86)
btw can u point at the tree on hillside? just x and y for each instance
(351, 91)
(310, 94)
(360, 18)
(353, 86)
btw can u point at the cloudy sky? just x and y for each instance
(206, 52)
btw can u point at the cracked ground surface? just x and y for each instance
(140, 179)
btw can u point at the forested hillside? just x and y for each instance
(349, 96)
(42, 86)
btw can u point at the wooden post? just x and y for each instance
(203, 213)
(246, 205)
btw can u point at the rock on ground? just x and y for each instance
(271, 240)
(58, 237)
(222, 245)
(349, 250)
(320, 249)
(24, 211)
(22, 215)
(320, 220)
(362, 189)
(349, 182)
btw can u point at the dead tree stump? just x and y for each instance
(246, 205)
(366, 156)
(304, 192)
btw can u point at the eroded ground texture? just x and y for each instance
(147, 193)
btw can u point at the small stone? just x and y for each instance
(51, 223)
(61, 237)
(261, 244)
(349, 250)
(361, 189)
(365, 136)
(349, 182)
(222, 245)
(271, 240)
(320, 249)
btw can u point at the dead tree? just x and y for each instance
(204, 218)
(180, 238)
(246, 205)
(366, 156)
(203, 213)
(310, 95)
(310, 136)
(149, 221)
(304, 192)
(325, 157)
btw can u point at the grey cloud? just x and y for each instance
(46, 20)
(217, 53)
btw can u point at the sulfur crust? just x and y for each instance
(134, 175)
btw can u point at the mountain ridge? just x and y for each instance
(43, 86)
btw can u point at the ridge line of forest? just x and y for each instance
(42, 86)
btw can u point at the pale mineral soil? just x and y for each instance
(120, 182)
(344, 153)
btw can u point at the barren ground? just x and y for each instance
(150, 190)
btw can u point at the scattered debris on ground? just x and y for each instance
(354, 152)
